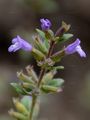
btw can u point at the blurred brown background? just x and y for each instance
(22, 17)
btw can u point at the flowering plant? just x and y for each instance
(31, 86)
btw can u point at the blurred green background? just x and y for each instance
(22, 17)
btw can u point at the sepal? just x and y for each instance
(19, 106)
(38, 55)
(32, 73)
(50, 89)
(57, 82)
(40, 45)
(66, 26)
(24, 78)
(48, 76)
(28, 87)
(17, 115)
(49, 34)
(52, 85)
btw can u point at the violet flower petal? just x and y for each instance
(24, 45)
(19, 43)
(80, 51)
(75, 47)
(70, 49)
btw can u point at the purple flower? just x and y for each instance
(45, 24)
(75, 47)
(19, 43)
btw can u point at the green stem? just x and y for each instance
(48, 55)
(42, 72)
(40, 77)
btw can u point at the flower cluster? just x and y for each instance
(19, 43)
(34, 85)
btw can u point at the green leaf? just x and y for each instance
(56, 82)
(18, 88)
(42, 35)
(27, 101)
(65, 37)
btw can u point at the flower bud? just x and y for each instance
(38, 54)
(39, 44)
(45, 24)
(17, 115)
(24, 77)
(28, 87)
(19, 106)
(48, 76)
(48, 89)
(32, 73)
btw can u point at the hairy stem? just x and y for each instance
(41, 76)
(42, 72)
(52, 44)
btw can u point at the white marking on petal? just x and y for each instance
(80, 51)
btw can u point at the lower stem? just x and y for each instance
(34, 99)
